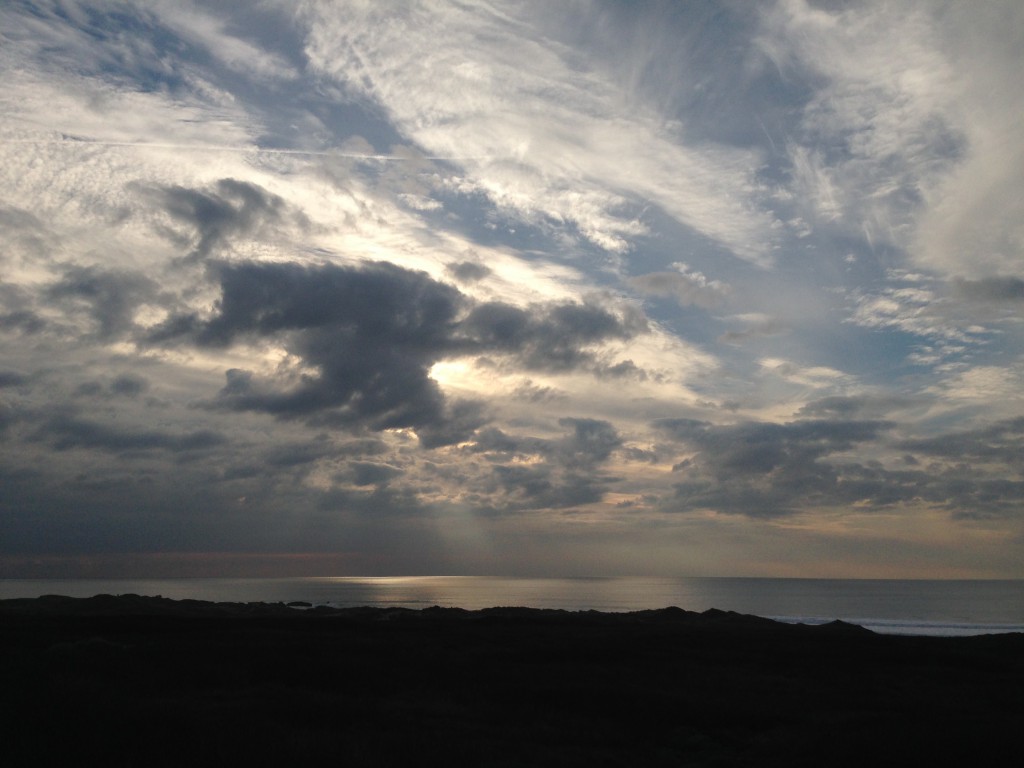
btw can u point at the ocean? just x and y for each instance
(918, 607)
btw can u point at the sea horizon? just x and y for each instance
(943, 607)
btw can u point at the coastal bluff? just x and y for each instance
(132, 680)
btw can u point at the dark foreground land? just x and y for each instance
(135, 681)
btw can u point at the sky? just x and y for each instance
(512, 288)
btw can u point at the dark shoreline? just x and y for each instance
(132, 680)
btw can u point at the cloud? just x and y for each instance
(973, 226)
(11, 379)
(770, 470)
(230, 209)
(110, 297)
(434, 284)
(368, 336)
(859, 406)
(1008, 289)
(534, 473)
(758, 326)
(370, 473)
(541, 128)
(913, 303)
(685, 286)
(880, 127)
(468, 271)
(764, 469)
(129, 385)
(229, 47)
(66, 432)
(553, 337)
(591, 443)
(1002, 442)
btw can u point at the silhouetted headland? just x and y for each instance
(132, 680)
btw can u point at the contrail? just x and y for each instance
(244, 149)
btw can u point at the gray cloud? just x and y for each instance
(764, 469)
(129, 385)
(370, 473)
(767, 470)
(468, 271)
(66, 431)
(22, 320)
(229, 209)
(990, 289)
(109, 297)
(757, 330)
(859, 406)
(372, 333)
(297, 454)
(824, 169)
(553, 337)
(11, 379)
(592, 441)
(534, 473)
(1002, 442)
(542, 487)
(686, 288)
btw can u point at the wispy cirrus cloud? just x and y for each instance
(552, 141)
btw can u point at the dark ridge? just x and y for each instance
(129, 680)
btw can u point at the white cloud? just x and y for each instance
(974, 222)
(548, 133)
(913, 138)
(194, 24)
(881, 127)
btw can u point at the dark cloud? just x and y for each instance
(8, 416)
(11, 379)
(990, 289)
(862, 406)
(553, 337)
(764, 469)
(109, 297)
(536, 394)
(23, 320)
(542, 487)
(24, 234)
(494, 441)
(372, 334)
(535, 473)
(89, 389)
(468, 271)
(1000, 442)
(65, 432)
(758, 447)
(129, 385)
(362, 447)
(297, 454)
(626, 369)
(592, 442)
(588, 443)
(461, 418)
(229, 209)
(369, 473)
(126, 385)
